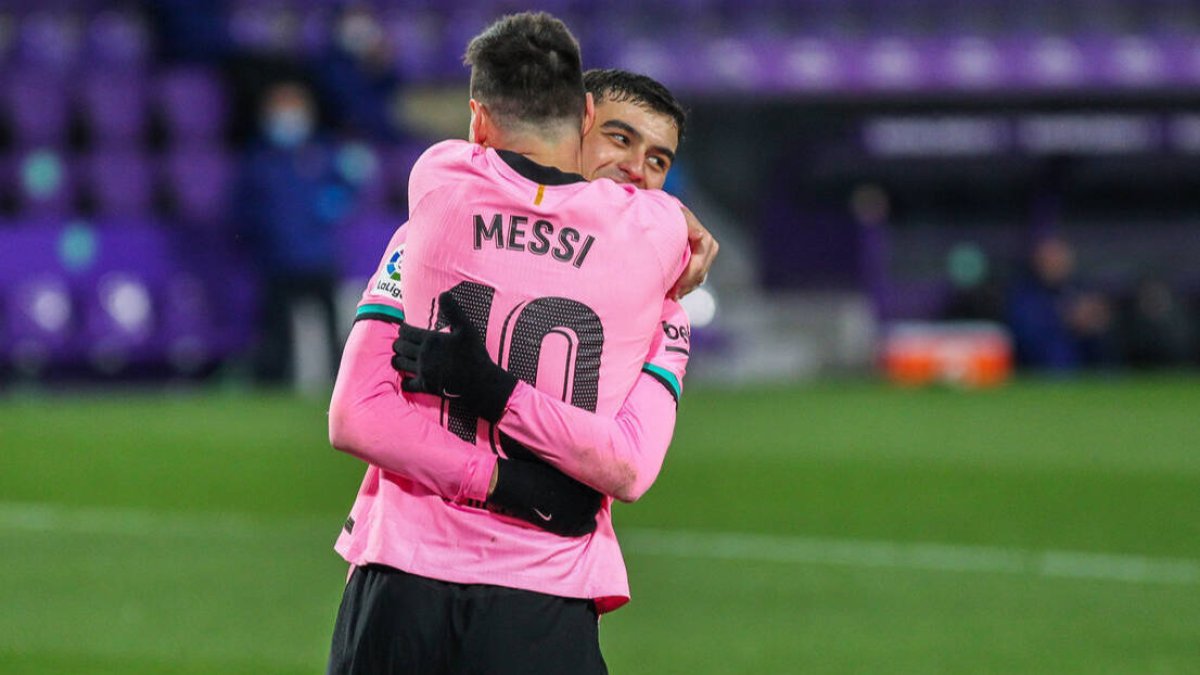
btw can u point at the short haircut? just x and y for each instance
(612, 84)
(526, 69)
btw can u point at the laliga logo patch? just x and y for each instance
(393, 264)
(388, 283)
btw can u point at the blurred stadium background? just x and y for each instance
(915, 198)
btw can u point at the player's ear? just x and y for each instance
(480, 123)
(589, 114)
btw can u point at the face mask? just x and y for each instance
(289, 127)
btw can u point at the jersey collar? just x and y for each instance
(538, 173)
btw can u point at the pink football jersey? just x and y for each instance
(565, 280)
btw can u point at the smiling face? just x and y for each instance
(630, 143)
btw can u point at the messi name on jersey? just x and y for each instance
(542, 237)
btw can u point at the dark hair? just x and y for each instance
(526, 69)
(612, 84)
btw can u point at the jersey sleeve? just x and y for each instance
(382, 299)
(372, 419)
(669, 352)
(661, 217)
(620, 456)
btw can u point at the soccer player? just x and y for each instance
(478, 589)
(633, 141)
(638, 127)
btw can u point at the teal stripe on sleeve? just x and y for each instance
(378, 311)
(666, 377)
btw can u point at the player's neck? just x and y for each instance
(566, 155)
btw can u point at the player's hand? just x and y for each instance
(453, 365)
(534, 491)
(704, 251)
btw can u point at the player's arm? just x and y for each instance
(370, 419)
(621, 456)
(704, 248)
(618, 456)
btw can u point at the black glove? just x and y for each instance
(538, 493)
(454, 364)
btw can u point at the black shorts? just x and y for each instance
(392, 622)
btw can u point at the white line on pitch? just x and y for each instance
(118, 521)
(914, 556)
(788, 549)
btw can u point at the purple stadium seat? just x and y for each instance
(187, 328)
(118, 40)
(157, 298)
(60, 6)
(194, 104)
(457, 30)
(118, 308)
(314, 30)
(7, 39)
(37, 106)
(115, 107)
(44, 183)
(38, 313)
(200, 179)
(121, 183)
(49, 39)
(280, 27)
(119, 321)
(230, 287)
(414, 39)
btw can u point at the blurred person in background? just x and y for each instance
(1056, 325)
(290, 199)
(976, 292)
(357, 79)
(1157, 331)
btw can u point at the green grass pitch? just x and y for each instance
(1046, 527)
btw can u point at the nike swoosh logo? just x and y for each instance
(543, 516)
(447, 394)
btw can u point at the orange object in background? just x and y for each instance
(966, 354)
